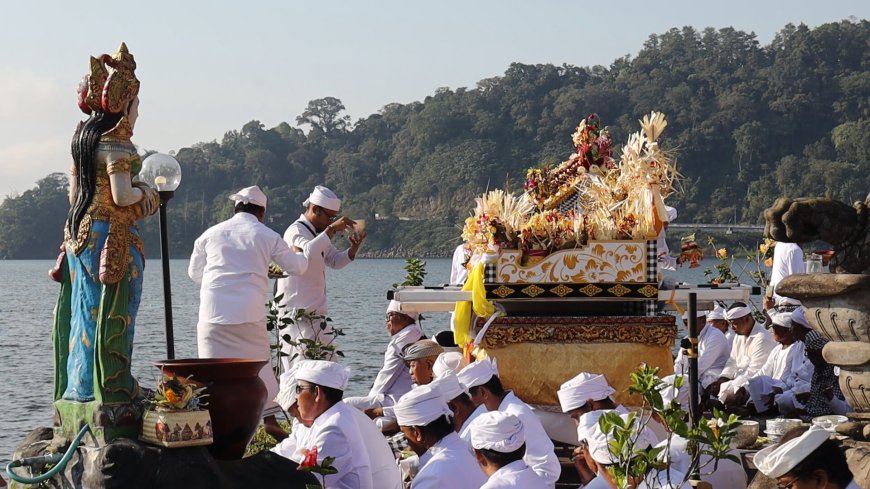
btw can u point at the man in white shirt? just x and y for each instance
(484, 385)
(716, 319)
(499, 445)
(385, 472)
(307, 291)
(666, 261)
(231, 262)
(445, 459)
(788, 259)
(750, 350)
(585, 398)
(713, 353)
(333, 430)
(394, 379)
(809, 459)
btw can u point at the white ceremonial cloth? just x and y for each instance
(249, 340)
(385, 471)
(231, 262)
(713, 352)
(465, 429)
(666, 261)
(335, 434)
(308, 290)
(458, 272)
(449, 463)
(788, 259)
(727, 473)
(289, 447)
(748, 354)
(394, 379)
(515, 474)
(540, 454)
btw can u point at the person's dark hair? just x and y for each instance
(462, 398)
(494, 385)
(439, 428)
(84, 151)
(501, 459)
(829, 456)
(332, 395)
(445, 338)
(736, 305)
(249, 208)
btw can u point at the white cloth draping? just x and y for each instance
(583, 387)
(250, 340)
(449, 463)
(724, 473)
(540, 454)
(308, 290)
(748, 354)
(393, 379)
(465, 429)
(713, 353)
(497, 430)
(250, 195)
(515, 474)
(778, 460)
(421, 406)
(231, 262)
(385, 471)
(782, 369)
(335, 434)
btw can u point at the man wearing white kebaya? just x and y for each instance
(317, 225)
(231, 262)
(499, 445)
(713, 353)
(333, 430)
(481, 378)
(445, 459)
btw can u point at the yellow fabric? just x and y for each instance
(481, 306)
(536, 370)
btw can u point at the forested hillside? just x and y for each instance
(747, 122)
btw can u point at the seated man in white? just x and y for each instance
(445, 459)
(333, 431)
(809, 459)
(752, 345)
(784, 370)
(716, 319)
(385, 472)
(598, 454)
(419, 357)
(499, 445)
(393, 380)
(483, 383)
(713, 352)
(585, 398)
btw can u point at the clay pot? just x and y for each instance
(236, 396)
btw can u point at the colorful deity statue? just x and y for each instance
(102, 277)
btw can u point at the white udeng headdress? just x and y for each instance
(421, 406)
(448, 385)
(250, 195)
(778, 460)
(449, 361)
(585, 386)
(478, 373)
(737, 312)
(323, 197)
(497, 430)
(323, 372)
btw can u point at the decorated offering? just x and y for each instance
(690, 252)
(175, 417)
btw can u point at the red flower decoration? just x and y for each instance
(310, 459)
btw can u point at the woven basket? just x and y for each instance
(173, 429)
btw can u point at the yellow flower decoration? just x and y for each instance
(722, 253)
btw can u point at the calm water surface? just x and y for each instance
(357, 301)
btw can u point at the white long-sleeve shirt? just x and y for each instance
(335, 434)
(231, 262)
(748, 354)
(788, 259)
(714, 349)
(394, 379)
(666, 261)
(540, 454)
(449, 463)
(308, 290)
(515, 474)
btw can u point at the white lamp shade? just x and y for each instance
(161, 171)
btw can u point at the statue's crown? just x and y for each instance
(110, 84)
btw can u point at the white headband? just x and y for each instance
(250, 195)
(574, 393)
(396, 306)
(448, 385)
(737, 312)
(718, 312)
(478, 373)
(323, 197)
(799, 316)
(324, 373)
(286, 397)
(421, 406)
(778, 460)
(449, 361)
(497, 430)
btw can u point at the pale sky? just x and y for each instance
(208, 67)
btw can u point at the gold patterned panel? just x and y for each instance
(619, 290)
(561, 290)
(591, 290)
(659, 335)
(649, 291)
(503, 291)
(599, 261)
(532, 291)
